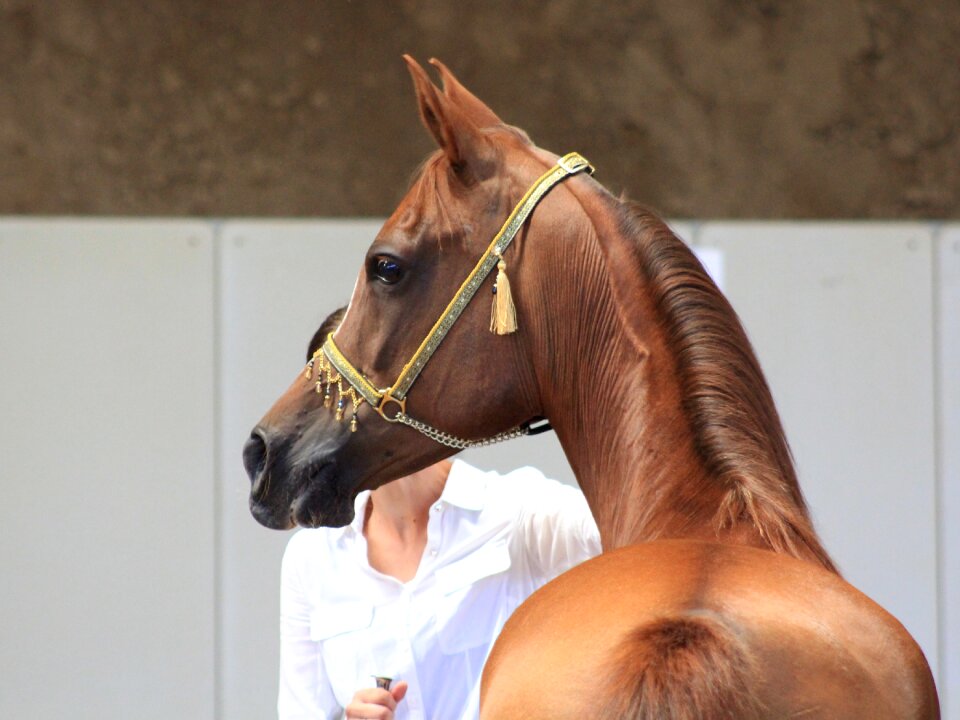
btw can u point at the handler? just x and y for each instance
(418, 587)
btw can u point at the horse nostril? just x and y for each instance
(255, 454)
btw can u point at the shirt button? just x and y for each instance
(437, 508)
(433, 552)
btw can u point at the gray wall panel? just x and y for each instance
(107, 520)
(948, 470)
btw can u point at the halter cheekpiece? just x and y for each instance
(333, 368)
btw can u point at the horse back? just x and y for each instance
(689, 630)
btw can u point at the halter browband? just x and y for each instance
(340, 368)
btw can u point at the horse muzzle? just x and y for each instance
(291, 486)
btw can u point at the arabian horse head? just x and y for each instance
(307, 465)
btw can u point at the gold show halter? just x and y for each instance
(333, 367)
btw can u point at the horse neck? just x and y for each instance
(610, 385)
(617, 415)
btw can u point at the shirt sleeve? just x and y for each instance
(305, 692)
(555, 524)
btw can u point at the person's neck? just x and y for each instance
(396, 520)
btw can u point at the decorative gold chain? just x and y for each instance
(327, 377)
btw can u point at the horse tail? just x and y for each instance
(689, 667)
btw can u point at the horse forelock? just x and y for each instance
(430, 198)
(436, 197)
(737, 430)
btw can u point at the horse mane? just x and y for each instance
(737, 430)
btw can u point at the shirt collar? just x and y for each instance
(465, 488)
(359, 513)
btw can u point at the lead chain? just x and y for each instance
(455, 442)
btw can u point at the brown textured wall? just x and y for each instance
(707, 108)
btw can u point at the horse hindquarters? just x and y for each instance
(684, 630)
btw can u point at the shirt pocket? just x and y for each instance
(475, 598)
(343, 631)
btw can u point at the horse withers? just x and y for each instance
(714, 597)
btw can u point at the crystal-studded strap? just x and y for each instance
(352, 375)
(569, 164)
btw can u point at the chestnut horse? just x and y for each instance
(714, 597)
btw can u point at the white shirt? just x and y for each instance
(491, 541)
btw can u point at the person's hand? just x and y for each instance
(376, 703)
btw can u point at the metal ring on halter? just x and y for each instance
(388, 398)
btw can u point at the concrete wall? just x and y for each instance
(137, 355)
(699, 108)
(108, 527)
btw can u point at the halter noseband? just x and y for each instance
(332, 362)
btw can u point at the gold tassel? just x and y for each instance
(503, 315)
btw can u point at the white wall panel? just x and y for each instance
(948, 414)
(107, 522)
(137, 355)
(279, 280)
(841, 317)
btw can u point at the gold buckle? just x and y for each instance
(388, 398)
(574, 163)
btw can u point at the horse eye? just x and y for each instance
(386, 270)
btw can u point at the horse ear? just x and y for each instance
(454, 132)
(474, 107)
